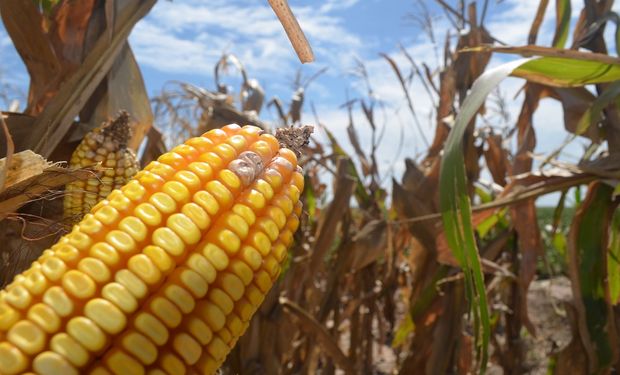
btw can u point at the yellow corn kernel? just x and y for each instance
(197, 215)
(148, 214)
(202, 170)
(168, 240)
(216, 256)
(142, 266)
(207, 201)
(53, 268)
(189, 179)
(78, 284)
(242, 271)
(95, 269)
(140, 347)
(232, 285)
(163, 202)
(187, 348)
(191, 281)
(212, 315)
(222, 300)
(120, 296)
(121, 363)
(161, 169)
(225, 239)
(201, 144)
(236, 224)
(100, 370)
(107, 215)
(172, 364)
(59, 301)
(45, 317)
(199, 330)
(217, 348)
(50, 363)
(160, 258)
(27, 336)
(134, 227)
(245, 212)
(207, 365)
(262, 280)
(132, 283)
(105, 315)
(87, 333)
(177, 191)
(172, 159)
(202, 266)
(180, 297)
(8, 317)
(166, 311)
(121, 241)
(66, 346)
(185, 228)
(104, 252)
(67, 253)
(152, 328)
(252, 257)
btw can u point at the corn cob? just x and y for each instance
(107, 145)
(165, 274)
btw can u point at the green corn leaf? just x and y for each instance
(456, 206)
(588, 257)
(567, 72)
(613, 261)
(563, 13)
(594, 114)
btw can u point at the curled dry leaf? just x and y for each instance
(30, 177)
(313, 327)
(370, 243)
(10, 149)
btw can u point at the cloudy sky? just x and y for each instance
(182, 40)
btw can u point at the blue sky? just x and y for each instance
(182, 40)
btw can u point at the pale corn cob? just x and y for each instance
(164, 275)
(107, 145)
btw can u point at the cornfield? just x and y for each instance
(223, 255)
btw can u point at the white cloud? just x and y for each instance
(189, 36)
(330, 5)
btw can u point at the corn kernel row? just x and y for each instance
(197, 276)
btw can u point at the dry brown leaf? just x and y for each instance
(155, 146)
(23, 23)
(497, 159)
(572, 359)
(530, 247)
(332, 215)
(31, 188)
(10, 150)
(25, 164)
(68, 30)
(369, 244)
(20, 128)
(124, 90)
(312, 327)
(54, 121)
(575, 102)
